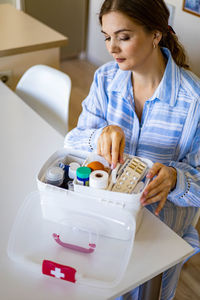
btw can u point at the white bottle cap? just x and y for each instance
(73, 166)
(55, 176)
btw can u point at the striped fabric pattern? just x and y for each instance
(169, 133)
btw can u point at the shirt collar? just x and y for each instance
(121, 83)
(167, 90)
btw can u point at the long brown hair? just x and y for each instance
(152, 15)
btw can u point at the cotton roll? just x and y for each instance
(99, 179)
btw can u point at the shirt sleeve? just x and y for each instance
(187, 190)
(92, 118)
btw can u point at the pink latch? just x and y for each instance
(74, 247)
(53, 269)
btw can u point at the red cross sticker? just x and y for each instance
(58, 271)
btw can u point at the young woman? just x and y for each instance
(146, 103)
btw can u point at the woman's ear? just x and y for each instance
(157, 37)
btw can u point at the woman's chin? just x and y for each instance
(124, 67)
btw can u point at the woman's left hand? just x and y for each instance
(159, 188)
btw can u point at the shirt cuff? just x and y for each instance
(94, 138)
(182, 186)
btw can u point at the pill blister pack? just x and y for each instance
(129, 175)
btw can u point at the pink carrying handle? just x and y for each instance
(73, 247)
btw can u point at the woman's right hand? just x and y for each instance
(111, 144)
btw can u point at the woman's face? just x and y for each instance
(127, 42)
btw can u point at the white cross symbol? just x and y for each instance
(57, 273)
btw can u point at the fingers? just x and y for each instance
(115, 152)
(159, 184)
(158, 197)
(111, 144)
(118, 145)
(160, 206)
(159, 188)
(121, 151)
(154, 170)
(148, 194)
(105, 149)
(106, 153)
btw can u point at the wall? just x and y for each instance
(187, 27)
(13, 2)
(96, 49)
(16, 3)
(66, 16)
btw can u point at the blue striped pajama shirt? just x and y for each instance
(169, 133)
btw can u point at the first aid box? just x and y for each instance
(84, 236)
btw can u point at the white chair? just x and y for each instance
(47, 91)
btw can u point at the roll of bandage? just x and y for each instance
(73, 166)
(95, 165)
(98, 179)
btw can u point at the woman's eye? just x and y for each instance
(124, 38)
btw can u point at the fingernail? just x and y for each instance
(149, 174)
(145, 193)
(121, 160)
(156, 213)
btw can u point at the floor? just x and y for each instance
(81, 73)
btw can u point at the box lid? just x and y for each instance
(76, 248)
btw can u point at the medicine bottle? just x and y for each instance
(82, 175)
(54, 176)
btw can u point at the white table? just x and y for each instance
(26, 142)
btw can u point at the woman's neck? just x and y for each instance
(146, 80)
(150, 74)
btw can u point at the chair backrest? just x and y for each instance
(47, 91)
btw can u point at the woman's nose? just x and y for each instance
(113, 47)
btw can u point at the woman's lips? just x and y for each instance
(120, 60)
